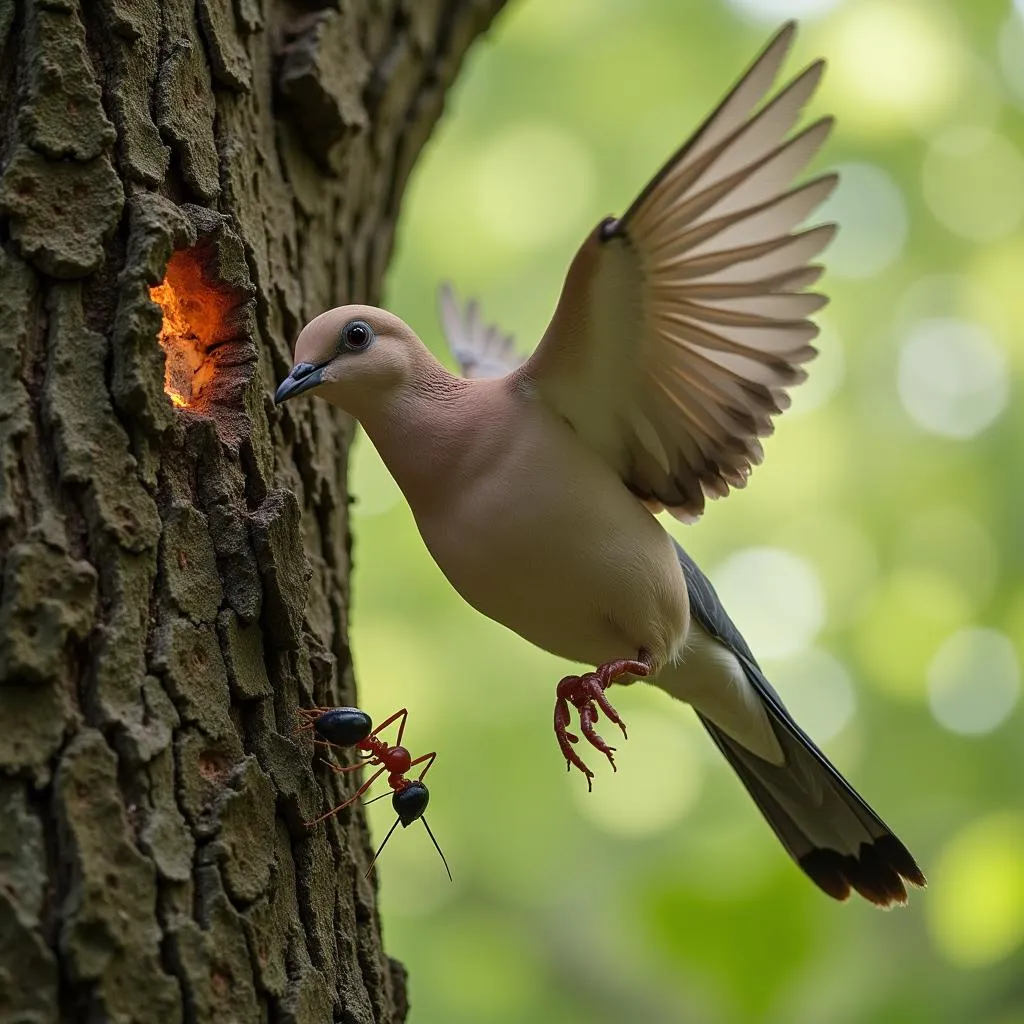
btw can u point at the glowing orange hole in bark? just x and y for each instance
(193, 317)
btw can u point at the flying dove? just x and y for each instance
(679, 329)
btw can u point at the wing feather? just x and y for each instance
(682, 325)
(481, 350)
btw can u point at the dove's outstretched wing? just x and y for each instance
(682, 324)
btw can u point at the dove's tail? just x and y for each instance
(823, 823)
(826, 827)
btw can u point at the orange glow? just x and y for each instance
(193, 315)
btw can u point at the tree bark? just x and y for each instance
(174, 575)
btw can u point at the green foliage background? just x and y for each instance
(874, 560)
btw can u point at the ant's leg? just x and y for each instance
(335, 746)
(311, 713)
(355, 796)
(403, 715)
(310, 725)
(429, 758)
(350, 767)
(309, 717)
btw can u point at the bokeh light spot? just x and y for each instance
(973, 181)
(893, 65)
(534, 184)
(959, 296)
(953, 378)
(976, 902)
(775, 598)
(974, 681)
(869, 206)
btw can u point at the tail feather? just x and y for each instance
(839, 842)
(825, 826)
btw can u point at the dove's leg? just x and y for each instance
(586, 694)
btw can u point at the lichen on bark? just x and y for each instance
(174, 582)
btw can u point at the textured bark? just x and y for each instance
(174, 582)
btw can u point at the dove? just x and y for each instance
(534, 484)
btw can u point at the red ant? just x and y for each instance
(351, 727)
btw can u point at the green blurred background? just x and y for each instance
(874, 562)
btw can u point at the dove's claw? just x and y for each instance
(566, 739)
(586, 694)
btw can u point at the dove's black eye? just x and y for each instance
(356, 335)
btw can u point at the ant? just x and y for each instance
(351, 727)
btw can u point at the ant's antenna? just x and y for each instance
(388, 836)
(436, 847)
(382, 845)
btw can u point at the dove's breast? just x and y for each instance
(536, 532)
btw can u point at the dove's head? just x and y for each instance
(352, 356)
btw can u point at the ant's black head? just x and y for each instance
(344, 727)
(411, 802)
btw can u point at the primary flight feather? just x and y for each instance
(681, 326)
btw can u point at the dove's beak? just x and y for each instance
(303, 377)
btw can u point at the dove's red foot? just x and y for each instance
(586, 694)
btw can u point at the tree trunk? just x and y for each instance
(173, 549)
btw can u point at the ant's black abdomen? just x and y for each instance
(410, 803)
(344, 727)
